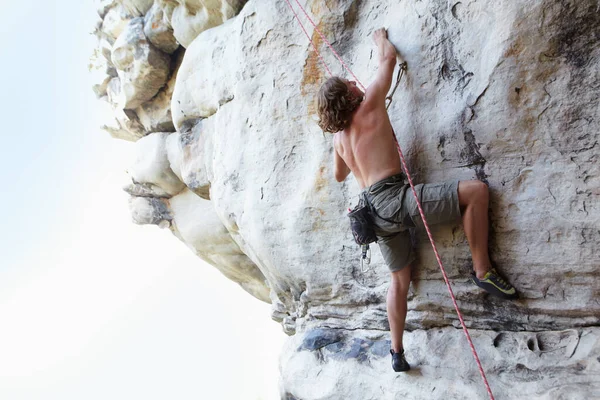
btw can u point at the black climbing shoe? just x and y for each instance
(495, 285)
(399, 363)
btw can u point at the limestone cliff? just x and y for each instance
(219, 97)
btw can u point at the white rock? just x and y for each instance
(114, 21)
(103, 6)
(197, 224)
(155, 114)
(142, 68)
(121, 124)
(137, 7)
(158, 29)
(192, 17)
(330, 364)
(105, 48)
(151, 165)
(149, 210)
(146, 190)
(100, 87)
(198, 71)
(189, 160)
(113, 91)
(102, 72)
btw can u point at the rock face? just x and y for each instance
(142, 68)
(236, 167)
(189, 18)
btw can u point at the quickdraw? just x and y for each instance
(401, 70)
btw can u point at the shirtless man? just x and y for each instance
(364, 145)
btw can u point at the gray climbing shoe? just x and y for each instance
(495, 285)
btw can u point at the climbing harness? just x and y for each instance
(437, 256)
(361, 225)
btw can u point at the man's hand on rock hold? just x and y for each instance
(379, 35)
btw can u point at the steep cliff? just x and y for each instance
(219, 96)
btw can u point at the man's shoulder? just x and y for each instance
(367, 110)
(336, 137)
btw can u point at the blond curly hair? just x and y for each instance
(335, 104)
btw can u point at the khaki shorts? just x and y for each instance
(396, 211)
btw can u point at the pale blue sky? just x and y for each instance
(91, 305)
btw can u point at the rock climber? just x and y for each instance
(364, 144)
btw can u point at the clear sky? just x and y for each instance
(91, 305)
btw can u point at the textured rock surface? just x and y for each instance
(152, 165)
(114, 20)
(191, 17)
(158, 29)
(197, 224)
(504, 92)
(519, 365)
(142, 68)
(155, 114)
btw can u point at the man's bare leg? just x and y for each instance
(396, 305)
(473, 197)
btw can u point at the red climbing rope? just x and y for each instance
(307, 35)
(439, 260)
(324, 39)
(437, 256)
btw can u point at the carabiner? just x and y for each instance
(365, 257)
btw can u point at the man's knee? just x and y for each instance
(472, 191)
(401, 279)
(481, 190)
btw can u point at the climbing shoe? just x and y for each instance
(399, 363)
(495, 285)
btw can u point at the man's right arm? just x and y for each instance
(377, 91)
(341, 170)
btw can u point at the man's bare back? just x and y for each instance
(367, 147)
